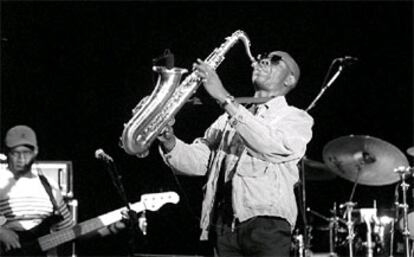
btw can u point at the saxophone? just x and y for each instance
(152, 113)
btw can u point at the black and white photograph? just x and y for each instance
(207, 128)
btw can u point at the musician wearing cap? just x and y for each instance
(28, 201)
(250, 160)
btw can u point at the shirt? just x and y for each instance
(259, 154)
(25, 203)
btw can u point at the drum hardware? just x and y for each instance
(349, 206)
(300, 244)
(383, 229)
(371, 161)
(369, 215)
(333, 227)
(368, 161)
(396, 215)
(300, 247)
(310, 170)
(333, 231)
(403, 171)
(375, 228)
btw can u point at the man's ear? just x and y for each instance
(290, 81)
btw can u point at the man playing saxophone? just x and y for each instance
(250, 159)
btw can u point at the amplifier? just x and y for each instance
(60, 172)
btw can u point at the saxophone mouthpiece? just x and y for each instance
(253, 60)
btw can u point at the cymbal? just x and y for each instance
(410, 151)
(364, 159)
(317, 171)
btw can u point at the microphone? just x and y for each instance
(101, 155)
(347, 60)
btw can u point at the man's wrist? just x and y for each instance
(229, 99)
(168, 145)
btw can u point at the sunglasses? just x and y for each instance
(274, 59)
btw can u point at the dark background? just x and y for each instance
(74, 70)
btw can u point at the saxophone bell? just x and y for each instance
(138, 132)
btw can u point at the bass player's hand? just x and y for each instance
(9, 239)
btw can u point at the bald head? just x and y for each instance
(290, 63)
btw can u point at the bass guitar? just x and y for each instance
(36, 241)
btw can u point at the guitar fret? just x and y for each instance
(61, 237)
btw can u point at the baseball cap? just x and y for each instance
(290, 62)
(20, 135)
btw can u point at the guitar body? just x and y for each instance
(28, 239)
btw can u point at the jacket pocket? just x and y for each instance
(259, 184)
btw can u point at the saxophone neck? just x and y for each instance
(217, 56)
(239, 34)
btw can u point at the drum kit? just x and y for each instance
(367, 161)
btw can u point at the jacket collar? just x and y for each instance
(276, 103)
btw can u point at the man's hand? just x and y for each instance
(112, 229)
(167, 137)
(211, 80)
(9, 239)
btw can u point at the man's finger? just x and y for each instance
(164, 131)
(16, 244)
(171, 122)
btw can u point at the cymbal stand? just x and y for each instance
(350, 225)
(333, 231)
(348, 214)
(333, 227)
(395, 218)
(403, 172)
(303, 208)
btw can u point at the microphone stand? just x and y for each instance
(303, 209)
(132, 220)
(328, 84)
(325, 85)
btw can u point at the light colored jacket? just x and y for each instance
(259, 153)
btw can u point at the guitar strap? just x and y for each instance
(48, 189)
